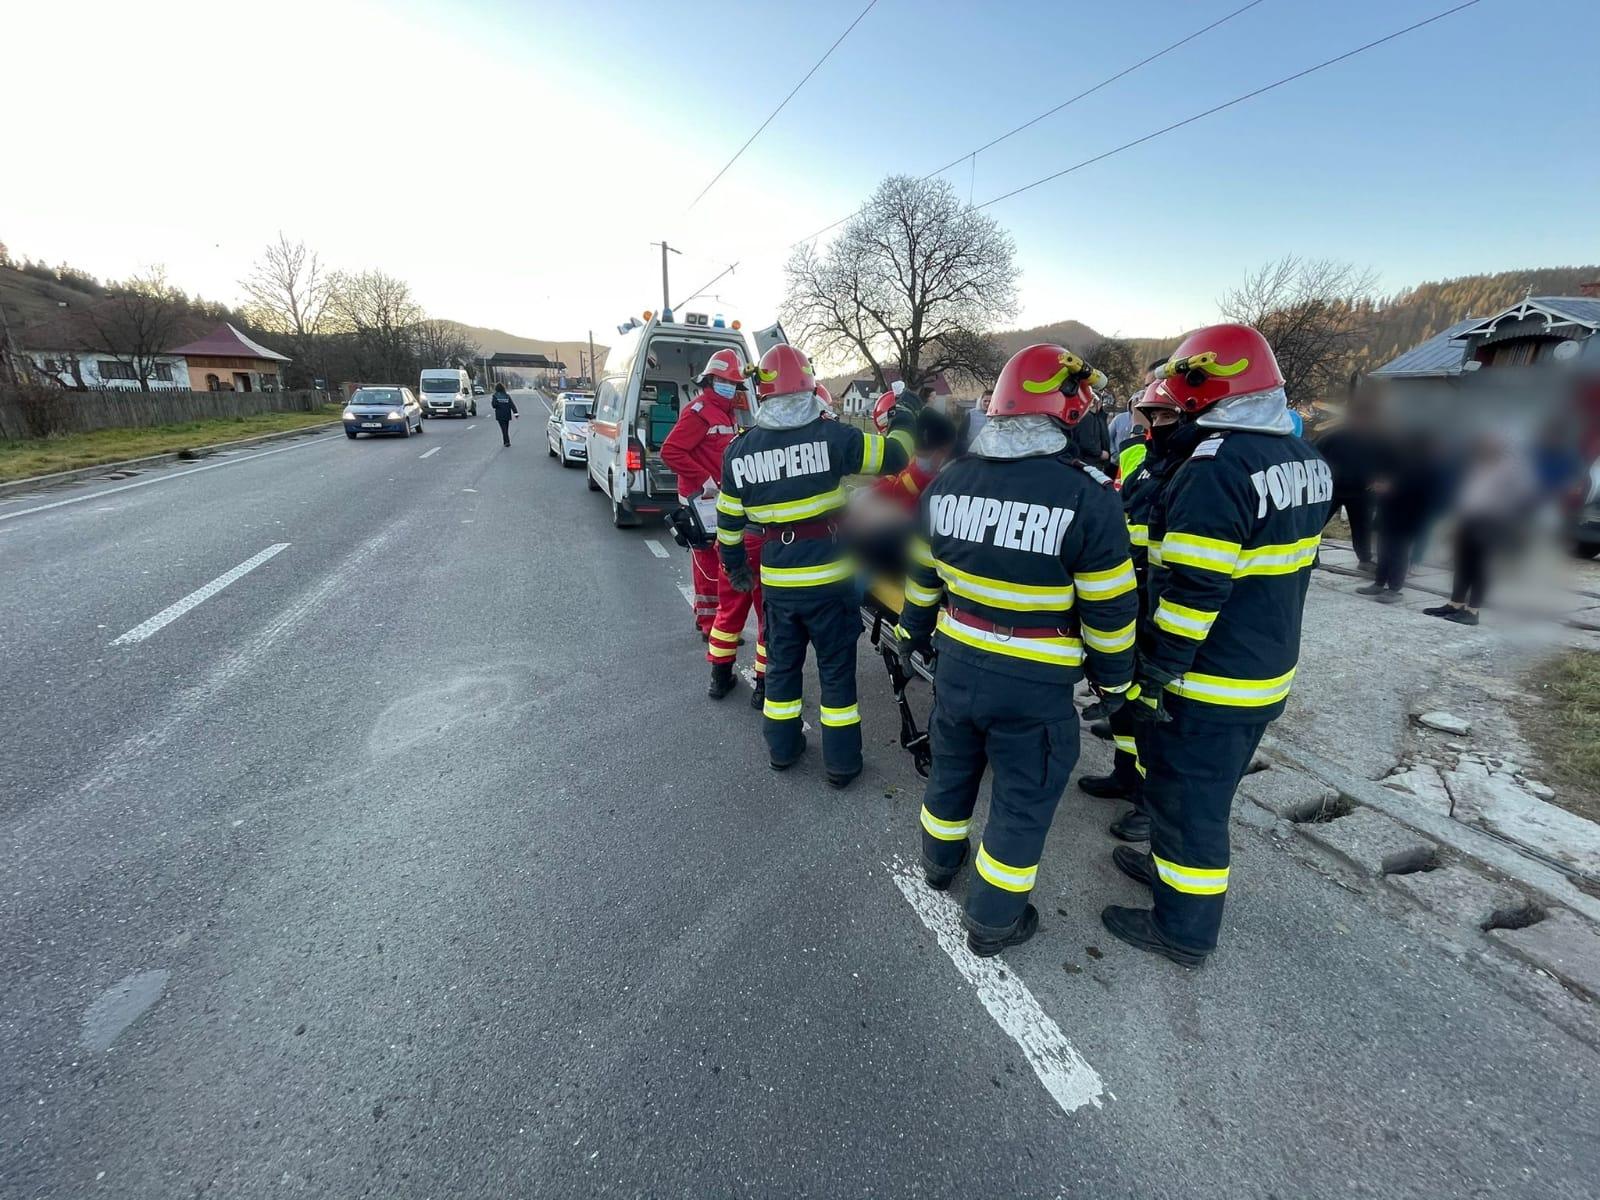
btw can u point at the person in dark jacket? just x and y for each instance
(504, 409)
(1410, 491)
(1091, 438)
(1353, 452)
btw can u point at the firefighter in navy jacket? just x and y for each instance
(1022, 566)
(786, 473)
(1232, 543)
(1142, 486)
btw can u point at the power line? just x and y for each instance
(1139, 141)
(711, 283)
(871, 4)
(1050, 112)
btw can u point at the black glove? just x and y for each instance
(907, 644)
(1104, 705)
(740, 578)
(1146, 702)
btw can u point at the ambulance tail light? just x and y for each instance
(635, 455)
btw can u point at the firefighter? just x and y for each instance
(1022, 565)
(694, 450)
(1232, 542)
(786, 473)
(1141, 487)
(908, 418)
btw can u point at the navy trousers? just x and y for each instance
(1192, 768)
(1026, 735)
(830, 624)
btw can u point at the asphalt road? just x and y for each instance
(415, 862)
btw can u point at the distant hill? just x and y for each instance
(492, 340)
(31, 294)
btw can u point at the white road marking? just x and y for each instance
(1065, 1073)
(688, 596)
(162, 478)
(430, 453)
(656, 547)
(173, 611)
(474, 425)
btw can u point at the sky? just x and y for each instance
(514, 161)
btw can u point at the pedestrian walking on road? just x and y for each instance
(504, 409)
(1497, 496)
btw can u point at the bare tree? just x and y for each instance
(288, 290)
(378, 314)
(444, 344)
(1115, 358)
(138, 322)
(914, 281)
(1316, 313)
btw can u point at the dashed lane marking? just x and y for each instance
(474, 425)
(173, 611)
(1065, 1073)
(430, 453)
(656, 547)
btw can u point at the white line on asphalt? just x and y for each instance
(173, 611)
(656, 547)
(162, 478)
(430, 453)
(1065, 1073)
(474, 425)
(688, 596)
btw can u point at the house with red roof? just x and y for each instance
(225, 360)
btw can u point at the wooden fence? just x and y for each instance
(33, 411)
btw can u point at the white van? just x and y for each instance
(447, 392)
(649, 375)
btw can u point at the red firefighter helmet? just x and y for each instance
(1217, 362)
(828, 410)
(1045, 379)
(783, 370)
(882, 409)
(1157, 396)
(724, 365)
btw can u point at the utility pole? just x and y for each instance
(593, 381)
(666, 291)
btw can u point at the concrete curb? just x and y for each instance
(1549, 885)
(37, 482)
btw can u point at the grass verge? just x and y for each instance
(41, 456)
(1566, 729)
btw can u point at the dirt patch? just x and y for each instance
(1566, 728)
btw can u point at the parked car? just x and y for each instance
(1586, 522)
(447, 392)
(382, 409)
(477, 389)
(567, 430)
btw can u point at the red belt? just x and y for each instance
(973, 621)
(804, 531)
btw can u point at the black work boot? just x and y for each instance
(1136, 926)
(785, 765)
(1023, 928)
(1134, 865)
(1105, 787)
(1131, 826)
(840, 782)
(758, 696)
(940, 878)
(1101, 730)
(721, 680)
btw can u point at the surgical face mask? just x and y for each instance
(924, 463)
(724, 389)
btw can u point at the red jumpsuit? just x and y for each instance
(694, 450)
(905, 489)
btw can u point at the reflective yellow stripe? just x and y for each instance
(806, 576)
(715, 650)
(920, 596)
(1105, 585)
(731, 505)
(1196, 881)
(871, 454)
(1283, 559)
(1184, 621)
(722, 635)
(904, 438)
(1011, 879)
(1125, 743)
(1192, 550)
(1001, 593)
(921, 552)
(1108, 641)
(1235, 693)
(1153, 553)
(846, 715)
(1110, 688)
(1059, 652)
(761, 650)
(1139, 535)
(729, 537)
(945, 831)
(781, 710)
(797, 510)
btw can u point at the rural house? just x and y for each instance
(225, 360)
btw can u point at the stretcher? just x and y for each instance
(880, 613)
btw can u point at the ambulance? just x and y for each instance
(649, 375)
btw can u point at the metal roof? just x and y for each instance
(227, 342)
(1442, 354)
(1556, 310)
